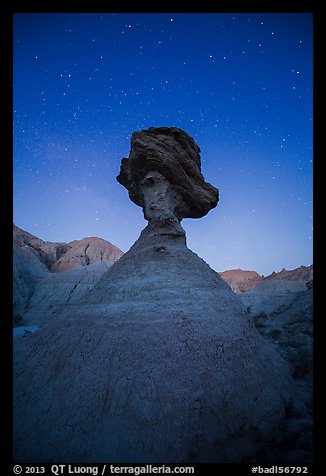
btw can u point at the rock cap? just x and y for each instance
(170, 153)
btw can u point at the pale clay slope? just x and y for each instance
(281, 300)
(56, 290)
(63, 256)
(85, 252)
(298, 429)
(37, 286)
(47, 252)
(28, 270)
(241, 280)
(290, 328)
(152, 368)
(270, 295)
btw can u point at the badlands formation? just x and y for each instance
(242, 281)
(159, 360)
(47, 275)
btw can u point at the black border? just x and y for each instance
(7, 9)
(221, 6)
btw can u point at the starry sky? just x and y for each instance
(239, 83)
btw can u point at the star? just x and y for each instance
(116, 74)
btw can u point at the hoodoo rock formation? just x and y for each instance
(159, 361)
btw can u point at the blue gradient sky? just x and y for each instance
(240, 84)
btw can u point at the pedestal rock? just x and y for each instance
(159, 362)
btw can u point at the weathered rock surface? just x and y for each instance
(63, 256)
(28, 270)
(46, 252)
(37, 290)
(243, 281)
(85, 252)
(286, 320)
(152, 367)
(303, 273)
(54, 291)
(271, 295)
(172, 153)
(158, 363)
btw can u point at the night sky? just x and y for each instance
(239, 84)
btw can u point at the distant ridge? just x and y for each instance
(241, 281)
(51, 273)
(63, 256)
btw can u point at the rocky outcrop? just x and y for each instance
(271, 295)
(288, 324)
(55, 291)
(283, 311)
(45, 251)
(171, 153)
(240, 280)
(303, 273)
(159, 362)
(243, 281)
(38, 290)
(28, 270)
(64, 256)
(85, 252)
